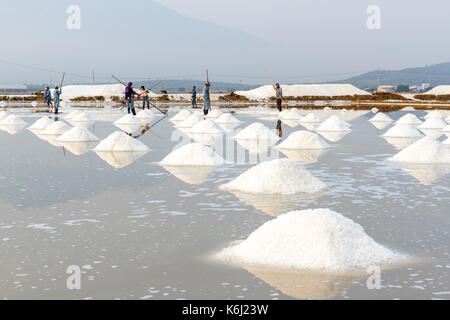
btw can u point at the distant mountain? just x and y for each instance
(437, 74)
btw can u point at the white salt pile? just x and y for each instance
(73, 114)
(447, 119)
(446, 129)
(215, 113)
(3, 115)
(194, 154)
(12, 120)
(304, 140)
(292, 114)
(381, 117)
(440, 90)
(447, 141)
(128, 119)
(334, 124)
(227, 118)
(375, 110)
(145, 115)
(206, 126)
(433, 123)
(56, 128)
(83, 117)
(78, 134)
(311, 118)
(318, 239)
(41, 124)
(327, 109)
(426, 150)
(181, 116)
(257, 131)
(121, 142)
(191, 120)
(403, 131)
(410, 119)
(434, 114)
(281, 176)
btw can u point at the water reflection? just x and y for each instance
(13, 129)
(190, 174)
(427, 174)
(119, 160)
(256, 146)
(79, 148)
(306, 156)
(334, 136)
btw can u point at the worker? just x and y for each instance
(279, 93)
(145, 98)
(207, 98)
(129, 97)
(48, 97)
(194, 97)
(56, 95)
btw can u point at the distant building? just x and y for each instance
(386, 88)
(420, 88)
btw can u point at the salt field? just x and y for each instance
(155, 213)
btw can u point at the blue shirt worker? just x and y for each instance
(48, 97)
(194, 97)
(56, 95)
(207, 99)
(279, 93)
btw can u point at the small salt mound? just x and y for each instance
(433, 123)
(182, 115)
(311, 118)
(327, 109)
(192, 120)
(426, 150)
(194, 154)
(292, 114)
(447, 141)
(78, 134)
(281, 176)
(128, 119)
(121, 142)
(41, 124)
(304, 140)
(145, 115)
(83, 117)
(410, 119)
(318, 239)
(257, 131)
(227, 118)
(446, 129)
(375, 110)
(56, 128)
(3, 115)
(381, 117)
(403, 131)
(434, 114)
(215, 113)
(73, 114)
(206, 126)
(335, 124)
(12, 120)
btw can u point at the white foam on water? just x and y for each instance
(334, 124)
(433, 123)
(206, 126)
(227, 118)
(381, 117)
(403, 131)
(194, 154)
(410, 119)
(192, 120)
(304, 140)
(426, 150)
(41, 124)
(257, 131)
(56, 128)
(78, 134)
(311, 118)
(280, 176)
(182, 115)
(121, 142)
(128, 119)
(318, 239)
(12, 120)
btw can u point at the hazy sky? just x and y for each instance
(297, 40)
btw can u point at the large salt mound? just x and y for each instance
(440, 90)
(56, 128)
(145, 115)
(78, 134)
(433, 123)
(321, 90)
(318, 239)
(381, 117)
(3, 115)
(257, 131)
(121, 142)
(410, 119)
(194, 154)
(192, 120)
(311, 118)
(304, 140)
(215, 113)
(334, 124)
(41, 124)
(227, 118)
(12, 120)
(403, 131)
(182, 115)
(426, 150)
(83, 117)
(128, 119)
(206, 126)
(292, 114)
(281, 176)
(435, 114)
(73, 114)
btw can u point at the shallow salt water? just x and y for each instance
(148, 232)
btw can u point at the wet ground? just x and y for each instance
(141, 231)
